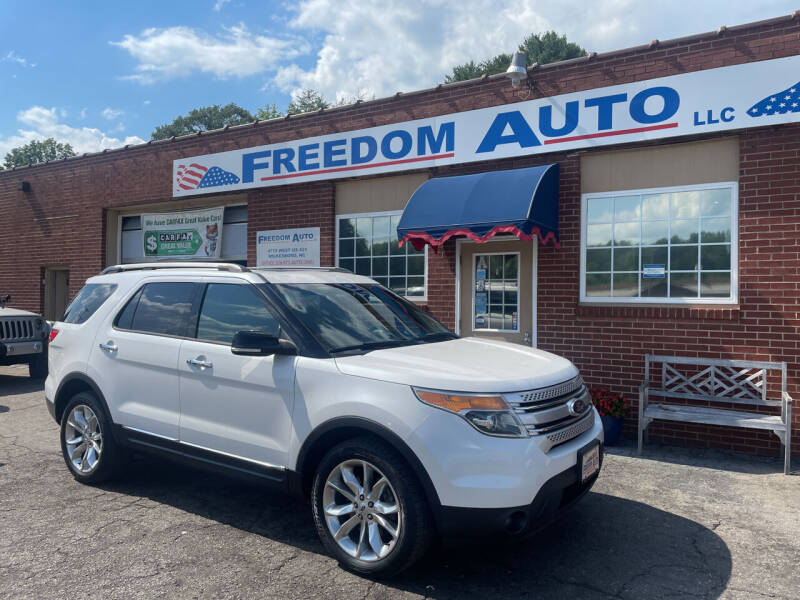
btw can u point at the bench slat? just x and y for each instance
(728, 399)
(714, 416)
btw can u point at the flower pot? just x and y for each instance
(612, 427)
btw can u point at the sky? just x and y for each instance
(100, 74)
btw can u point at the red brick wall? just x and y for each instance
(61, 221)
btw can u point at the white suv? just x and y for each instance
(325, 384)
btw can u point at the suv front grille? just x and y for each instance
(17, 330)
(545, 412)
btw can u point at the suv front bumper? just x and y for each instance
(11, 350)
(556, 496)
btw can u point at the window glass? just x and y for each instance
(368, 246)
(228, 308)
(88, 300)
(165, 308)
(660, 245)
(496, 293)
(344, 315)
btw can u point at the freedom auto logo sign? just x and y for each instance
(749, 95)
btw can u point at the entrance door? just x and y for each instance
(496, 290)
(56, 290)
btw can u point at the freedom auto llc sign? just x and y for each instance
(288, 247)
(748, 95)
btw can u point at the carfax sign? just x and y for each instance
(748, 95)
(288, 247)
(188, 234)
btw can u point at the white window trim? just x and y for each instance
(732, 300)
(386, 213)
(474, 291)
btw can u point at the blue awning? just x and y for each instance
(523, 202)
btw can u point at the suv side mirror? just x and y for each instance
(260, 343)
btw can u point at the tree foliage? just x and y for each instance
(538, 48)
(205, 118)
(306, 101)
(37, 151)
(267, 112)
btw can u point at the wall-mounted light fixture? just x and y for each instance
(517, 71)
(24, 186)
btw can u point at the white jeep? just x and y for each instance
(23, 339)
(325, 384)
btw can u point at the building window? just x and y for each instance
(664, 245)
(495, 296)
(367, 245)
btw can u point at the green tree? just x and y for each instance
(306, 101)
(205, 118)
(267, 112)
(539, 48)
(37, 151)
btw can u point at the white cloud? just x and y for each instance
(179, 52)
(112, 113)
(38, 123)
(14, 57)
(384, 46)
(219, 4)
(146, 102)
(83, 113)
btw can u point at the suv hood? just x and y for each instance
(463, 365)
(15, 312)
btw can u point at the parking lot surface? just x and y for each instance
(672, 524)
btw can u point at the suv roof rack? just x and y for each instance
(292, 268)
(219, 266)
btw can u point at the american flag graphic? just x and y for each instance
(777, 104)
(198, 176)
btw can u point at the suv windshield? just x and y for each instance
(349, 317)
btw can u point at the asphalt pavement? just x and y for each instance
(674, 523)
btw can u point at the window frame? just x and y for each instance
(733, 299)
(475, 256)
(387, 213)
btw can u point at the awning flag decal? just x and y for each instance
(523, 202)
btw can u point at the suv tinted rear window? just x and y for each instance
(88, 300)
(164, 308)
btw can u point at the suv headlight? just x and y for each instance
(488, 414)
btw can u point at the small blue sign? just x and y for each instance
(653, 271)
(480, 303)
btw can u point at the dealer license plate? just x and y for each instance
(590, 462)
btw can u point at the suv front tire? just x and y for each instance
(369, 508)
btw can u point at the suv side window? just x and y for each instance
(163, 308)
(228, 308)
(88, 300)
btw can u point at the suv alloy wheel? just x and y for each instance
(87, 444)
(369, 509)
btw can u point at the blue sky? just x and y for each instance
(102, 74)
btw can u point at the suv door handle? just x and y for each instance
(200, 361)
(109, 346)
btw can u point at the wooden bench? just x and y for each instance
(724, 381)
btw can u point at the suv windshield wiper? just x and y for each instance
(439, 336)
(372, 346)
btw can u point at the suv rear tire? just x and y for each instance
(369, 508)
(87, 442)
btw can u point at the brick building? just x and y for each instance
(678, 207)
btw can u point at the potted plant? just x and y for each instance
(613, 409)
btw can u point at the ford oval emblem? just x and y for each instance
(576, 406)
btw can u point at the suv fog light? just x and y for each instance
(488, 414)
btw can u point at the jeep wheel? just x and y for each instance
(87, 443)
(37, 368)
(369, 510)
